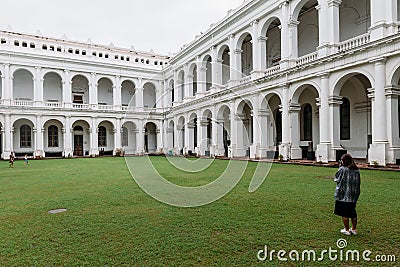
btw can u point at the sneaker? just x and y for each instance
(353, 232)
(345, 232)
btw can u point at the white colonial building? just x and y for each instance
(299, 78)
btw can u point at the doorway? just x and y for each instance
(78, 145)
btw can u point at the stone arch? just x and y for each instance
(53, 138)
(52, 87)
(81, 137)
(149, 95)
(224, 54)
(245, 45)
(105, 92)
(150, 137)
(23, 85)
(181, 84)
(80, 89)
(128, 92)
(129, 131)
(24, 137)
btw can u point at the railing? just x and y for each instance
(105, 107)
(245, 79)
(307, 59)
(354, 42)
(53, 104)
(80, 106)
(272, 70)
(22, 103)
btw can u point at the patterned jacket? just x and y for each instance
(347, 184)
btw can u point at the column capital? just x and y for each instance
(294, 108)
(335, 3)
(335, 100)
(378, 60)
(231, 36)
(371, 93)
(293, 23)
(262, 39)
(254, 22)
(392, 90)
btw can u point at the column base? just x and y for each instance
(295, 153)
(255, 152)
(322, 153)
(38, 154)
(93, 152)
(393, 155)
(231, 151)
(284, 151)
(68, 153)
(377, 154)
(6, 155)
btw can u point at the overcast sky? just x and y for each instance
(161, 25)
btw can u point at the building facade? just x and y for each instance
(300, 78)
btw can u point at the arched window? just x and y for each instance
(307, 120)
(78, 128)
(102, 136)
(125, 139)
(25, 137)
(53, 136)
(345, 119)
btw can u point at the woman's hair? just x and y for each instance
(348, 161)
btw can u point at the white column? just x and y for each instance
(334, 122)
(392, 102)
(215, 70)
(378, 19)
(328, 26)
(201, 77)
(264, 131)
(233, 60)
(285, 35)
(293, 39)
(255, 146)
(234, 136)
(262, 47)
(68, 131)
(322, 152)
(284, 148)
(379, 147)
(139, 95)
(8, 146)
(6, 94)
(117, 135)
(38, 132)
(160, 137)
(67, 90)
(117, 93)
(294, 112)
(93, 101)
(38, 87)
(140, 138)
(215, 129)
(379, 132)
(256, 51)
(94, 146)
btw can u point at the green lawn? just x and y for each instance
(111, 221)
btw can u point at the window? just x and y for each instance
(44, 47)
(3, 41)
(345, 119)
(122, 58)
(70, 50)
(77, 51)
(53, 136)
(116, 57)
(128, 59)
(125, 136)
(58, 48)
(83, 52)
(24, 44)
(51, 48)
(25, 136)
(100, 54)
(102, 136)
(32, 45)
(106, 55)
(307, 120)
(16, 43)
(94, 53)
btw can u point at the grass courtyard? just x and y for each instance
(111, 221)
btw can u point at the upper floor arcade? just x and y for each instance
(27, 86)
(262, 38)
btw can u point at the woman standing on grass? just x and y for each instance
(347, 192)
